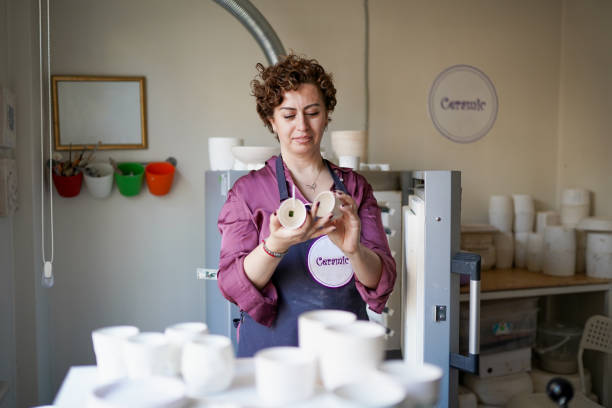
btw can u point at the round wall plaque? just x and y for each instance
(463, 103)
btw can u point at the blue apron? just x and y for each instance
(299, 288)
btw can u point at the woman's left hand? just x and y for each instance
(347, 234)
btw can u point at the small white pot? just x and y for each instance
(208, 364)
(284, 375)
(179, 334)
(108, 347)
(147, 354)
(351, 350)
(100, 187)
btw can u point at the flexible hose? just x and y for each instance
(257, 25)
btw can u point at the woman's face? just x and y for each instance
(300, 120)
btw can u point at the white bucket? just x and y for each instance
(501, 212)
(101, 186)
(559, 251)
(220, 152)
(575, 205)
(535, 251)
(520, 249)
(599, 255)
(504, 250)
(546, 218)
(524, 213)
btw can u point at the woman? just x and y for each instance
(272, 273)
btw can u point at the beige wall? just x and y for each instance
(585, 114)
(516, 43)
(133, 260)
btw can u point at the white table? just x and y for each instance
(81, 380)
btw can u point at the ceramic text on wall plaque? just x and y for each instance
(463, 103)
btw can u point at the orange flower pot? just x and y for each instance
(159, 177)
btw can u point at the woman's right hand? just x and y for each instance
(281, 238)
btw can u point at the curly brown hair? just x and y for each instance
(287, 75)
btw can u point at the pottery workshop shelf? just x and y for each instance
(511, 283)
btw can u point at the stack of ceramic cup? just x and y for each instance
(524, 217)
(535, 241)
(575, 206)
(598, 232)
(350, 146)
(559, 251)
(501, 215)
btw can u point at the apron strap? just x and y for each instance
(281, 181)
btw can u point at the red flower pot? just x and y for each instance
(68, 186)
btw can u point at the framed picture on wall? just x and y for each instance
(92, 110)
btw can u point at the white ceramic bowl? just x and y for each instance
(254, 155)
(421, 382)
(375, 390)
(284, 375)
(108, 347)
(152, 392)
(208, 364)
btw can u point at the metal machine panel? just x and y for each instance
(219, 312)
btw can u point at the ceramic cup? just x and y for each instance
(220, 152)
(108, 348)
(207, 364)
(292, 213)
(328, 203)
(349, 161)
(311, 325)
(351, 350)
(421, 382)
(179, 334)
(100, 186)
(284, 375)
(147, 354)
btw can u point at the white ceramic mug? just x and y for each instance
(421, 382)
(179, 334)
(328, 203)
(220, 152)
(147, 354)
(292, 213)
(208, 364)
(108, 347)
(351, 350)
(284, 375)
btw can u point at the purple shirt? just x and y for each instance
(244, 222)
